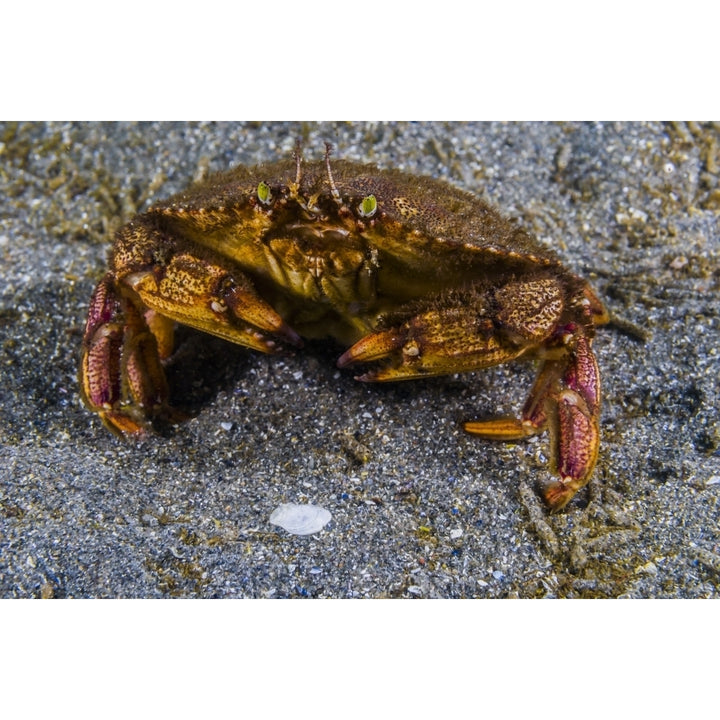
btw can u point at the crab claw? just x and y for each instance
(195, 292)
(434, 342)
(247, 306)
(565, 399)
(372, 347)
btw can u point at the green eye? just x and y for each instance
(264, 194)
(368, 206)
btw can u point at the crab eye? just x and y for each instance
(368, 206)
(264, 194)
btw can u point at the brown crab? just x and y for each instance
(416, 276)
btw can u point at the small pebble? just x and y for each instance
(300, 519)
(649, 568)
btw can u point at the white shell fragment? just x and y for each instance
(300, 519)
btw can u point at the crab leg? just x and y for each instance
(121, 377)
(566, 399)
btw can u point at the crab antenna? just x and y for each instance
(297, 154)
(333, 187)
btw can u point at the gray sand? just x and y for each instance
(419, 509)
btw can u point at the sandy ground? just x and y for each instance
(419, 509)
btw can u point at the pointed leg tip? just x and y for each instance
(250, 308)
(345, 359)
(558, 494)
(290, 336)
(375, 346)
(556, 497)
(122, 426)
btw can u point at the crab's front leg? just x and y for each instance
(195, 289)
(468, 329)
(566, 400)
(121, 377)
(153, 283)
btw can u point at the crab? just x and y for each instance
(414, 277)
